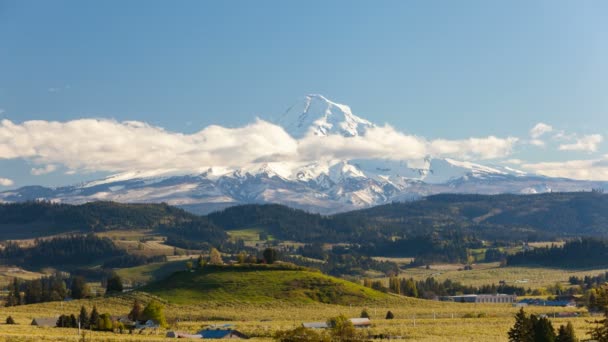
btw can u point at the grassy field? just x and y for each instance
(259, 284)
(492, 273)
(415, 320)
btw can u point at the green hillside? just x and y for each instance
(36, 219)
(260, 284)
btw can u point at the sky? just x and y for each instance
(89, 89)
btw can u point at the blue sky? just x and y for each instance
(434, 69)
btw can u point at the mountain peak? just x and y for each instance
(316, 115)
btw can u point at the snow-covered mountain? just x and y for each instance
(323, 186)
(321, 117)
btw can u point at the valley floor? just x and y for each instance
(415, 320)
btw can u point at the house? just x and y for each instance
(482, 298)
(177, 334)
(540, 302)
(361, 322)
(45, 322)
(357, 322)
(149, 324)
(222, 334)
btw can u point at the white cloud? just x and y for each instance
(88, 145)
(43, 170)
(6, 182)
(587, 143)
(592, 169)
(540, 129)
(387, 143)
(537, 142)
(513, 161)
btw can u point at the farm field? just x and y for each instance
(415, 320)
(492, 273)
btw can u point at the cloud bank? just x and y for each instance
(106, 145)
(6, 182)
(588, 143)
(591, 169)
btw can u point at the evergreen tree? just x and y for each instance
(73, 321)
(94, 318)
(522, 330)
(600, 331)
(389, 315)
(566, 334)
(543, 330)
(136, 312)
(10, 320)
(114, 284)
(270, 255)
(83, 317)
(364, 313)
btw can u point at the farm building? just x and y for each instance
(361, 322)
(540, 302)
(149, 324)
(222, 334)
(45, 322)
(357, 322)
(177, 334)
(482, 298)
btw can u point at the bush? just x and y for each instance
(10, 320)
(302, 334)
(389, 315)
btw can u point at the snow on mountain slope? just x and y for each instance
(321, 186)
(319, 116)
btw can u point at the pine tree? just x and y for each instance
(522, 330)
(389, 315)
(136, 312)
(94, 319)
(10, 320)
(270, 255)
(566, 334)
(73, 321)
(543, 329)
(600, 331)
(364, 313)
(83, 318)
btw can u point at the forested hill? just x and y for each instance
(577, 213)
(45, 218)
(489, 217)
(494, 217)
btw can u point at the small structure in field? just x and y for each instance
(361, 322)
(482, 298)
(149, 324)
(357, 323)
(50, 322)
(177, 334)
(222, 334)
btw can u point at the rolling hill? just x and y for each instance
(260, 284)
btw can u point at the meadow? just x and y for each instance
(491, 273)
(415, 320)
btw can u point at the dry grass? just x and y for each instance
(415, 320)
